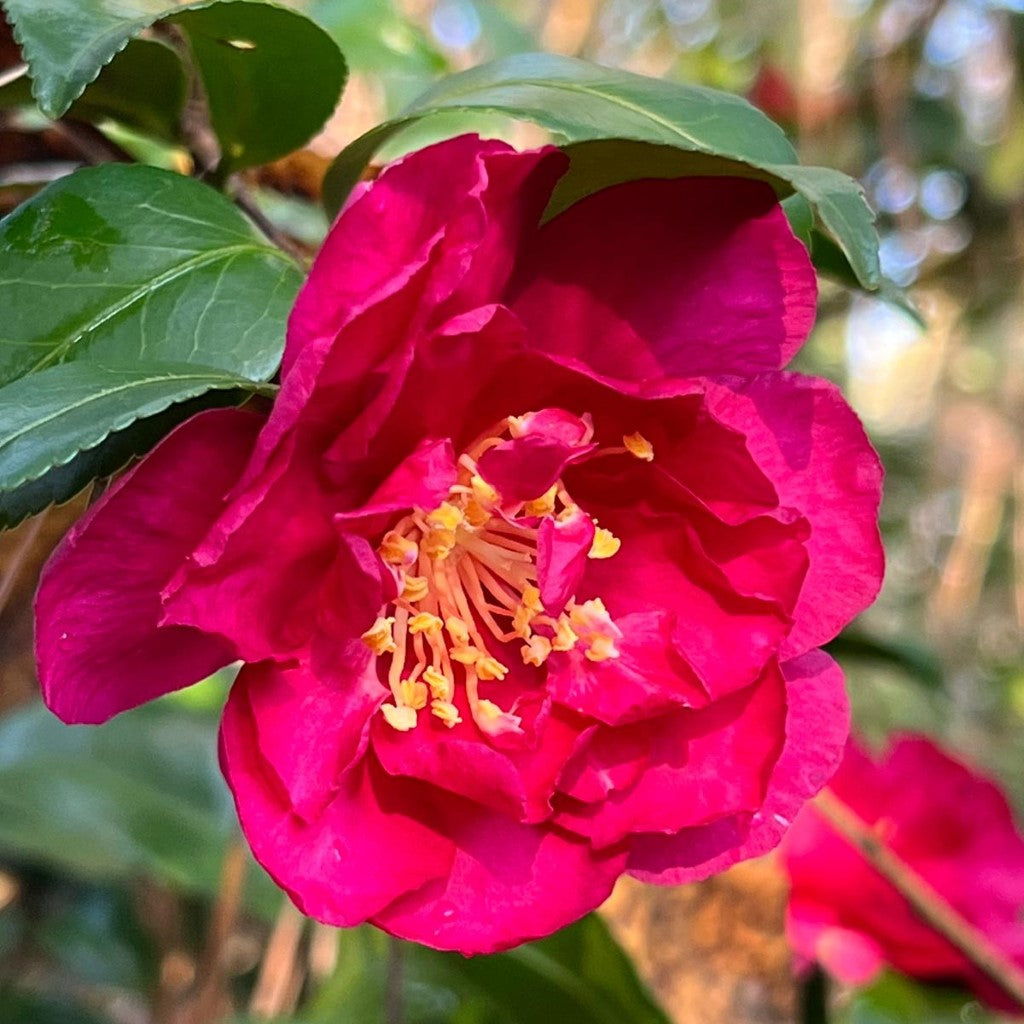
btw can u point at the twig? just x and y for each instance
(928, 903)
(276, 979)
(222, 922)
(26, 543)
(245, 201)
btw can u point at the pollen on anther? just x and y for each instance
(605, 544)
(425, 622)
(441, 687)
(378, 637)
(638, 446)
(413, 694)
(446, 711)
(401, 718)
(536, 650)
(415, 588)
(445, 517)
(491, 668)
(398, 550)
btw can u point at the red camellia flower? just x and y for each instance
(528, 564)
(951, 826)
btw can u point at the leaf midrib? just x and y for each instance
(589, 91)
(150, 287)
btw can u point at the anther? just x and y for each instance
(638, 446)
(424, 622)
(401, 718)
(415, 588)
(398, 550)
(490, 668)
(413, 694)
(536, 650)
(605, 544)
(378, 637)
(446, 711)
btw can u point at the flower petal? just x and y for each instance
(100, 645)
(669, 278)
(812, 447)
(509, 883)
(367, 846)
(701, 766)
(817, 724)
(309, 733)
(563, 546)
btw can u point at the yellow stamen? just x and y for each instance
(531, 598)
(536, 650)
(445, 517)
(378, 637)
(446, 711)
(415, 588)
(401, 718)
(605, 544)
(493, 721)
(596, 629)
(466, 655)
(424, 622)
(398, 550)
(544, 505)
(483, 492)
(438, 544)
(441, 687)
(521, 621)
(565, 638)
(457, 630)
(490, 668)
(638, 446)
(414, 695)
(476, 514)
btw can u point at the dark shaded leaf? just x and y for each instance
(715, 132)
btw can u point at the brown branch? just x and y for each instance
(223, 917)
(926, 901)
(245, 202)
(280, 970)
(26, 544)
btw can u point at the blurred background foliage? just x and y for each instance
(126, 896)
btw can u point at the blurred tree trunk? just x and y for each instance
(714, 952)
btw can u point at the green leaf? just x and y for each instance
(143, 87)
(140, 795)
(710, 132)
(123, 262)
(577, 976)
(272, 78)
(831, 262)
(271, 75)
(895, 999)
(50, 419)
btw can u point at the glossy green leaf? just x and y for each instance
(140, 795)
(143, 87)
(577, 976)
(713, 133)
(272, 76)
(50, 419)
(66, 42)
(122, 262)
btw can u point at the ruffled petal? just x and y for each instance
(817, 724)
(701, 766)
(509, 883)
(308, 733)
(811, 445)
(647, 678)
(563, 545)
(368, 845)
(671, 278)
(100, 645)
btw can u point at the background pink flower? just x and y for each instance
(951, 826)
(528, 564)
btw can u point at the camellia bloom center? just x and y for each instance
(469, 576)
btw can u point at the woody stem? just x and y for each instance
(926, 901)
